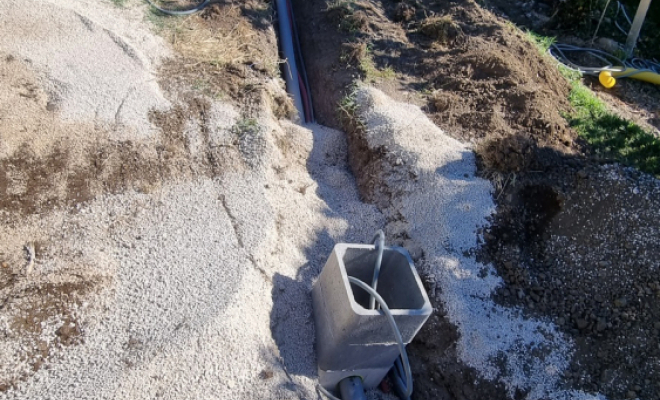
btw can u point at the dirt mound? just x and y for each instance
(479, 77)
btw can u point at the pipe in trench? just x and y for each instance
(291, 76)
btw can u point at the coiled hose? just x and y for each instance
(379, 242)
(611, 67)
(611, 63)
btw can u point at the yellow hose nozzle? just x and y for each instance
(606, 79)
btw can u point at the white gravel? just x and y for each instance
(443, 207)
(209, 281)
(96, 60)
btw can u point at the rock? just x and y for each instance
(581, 323)
(620, 302)
(266, 374)
(68, 332)
(602, 325)
(5, 265)
(42, 347)
(631, 395)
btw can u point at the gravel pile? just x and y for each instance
(425, 183)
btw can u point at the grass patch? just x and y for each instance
(368, 67)
(245, 126)
(119, 3)
(347, 111)
(542, 42)
(609, 135)
(372, 73)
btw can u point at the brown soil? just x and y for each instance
(231, 55)
(631, 99)
(477, 76)
(574, 241)
(32, 303)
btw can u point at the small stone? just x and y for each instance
(5, 265)
(266, 374)
(561, 321)
(581, 323)
(42, 346)
(602, 325)
(621, 302)
(631, 395)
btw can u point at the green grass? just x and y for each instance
(610, 136)
(369, 69)
(347, 111)
(372, 73)
(119, 3)
(542, 42)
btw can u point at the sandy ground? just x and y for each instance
(194, 287)
(199, 286)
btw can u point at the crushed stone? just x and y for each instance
(96, 60)
(439, 203)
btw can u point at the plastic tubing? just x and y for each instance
(379, 241)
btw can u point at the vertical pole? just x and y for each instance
(640, 15)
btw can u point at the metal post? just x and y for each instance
(640, 15)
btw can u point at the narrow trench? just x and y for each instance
(437, 372)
